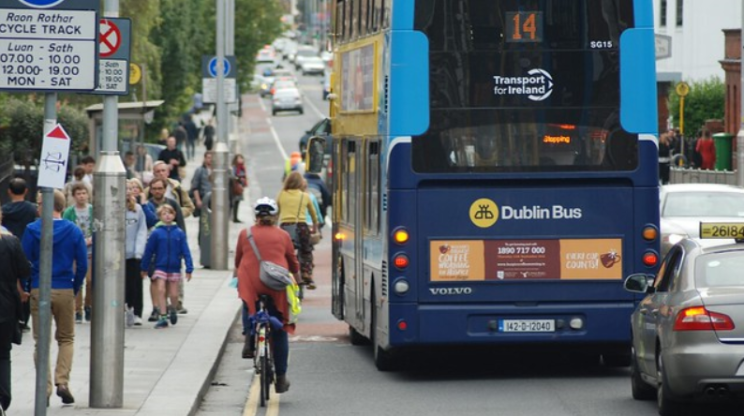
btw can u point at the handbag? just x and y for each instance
(237, 187)
(271, 274)
(315, 237)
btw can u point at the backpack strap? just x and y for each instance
(253, 245)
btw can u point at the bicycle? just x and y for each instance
(263, 325)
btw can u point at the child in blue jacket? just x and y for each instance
(166, 246)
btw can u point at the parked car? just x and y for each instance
(688, 331)
(287, 99)
(312, 65)
(683, 206)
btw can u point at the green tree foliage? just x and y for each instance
(706, 101)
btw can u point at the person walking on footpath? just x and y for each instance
(77, 177)
(15, 271)
(136, 238)
(81, 214)
(167, 247)
(238, 181)
(89, 164)
(174, 191)
(173, 156)
(138, 192)
(16, 215)
(157, 190)
(201, 185)
(209, 133)
(293, 204)
(69, 267)
(192, 134)
(707, 149)
(274, 245)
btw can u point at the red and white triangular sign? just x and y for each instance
(58, 133)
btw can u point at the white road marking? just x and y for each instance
(313, 107)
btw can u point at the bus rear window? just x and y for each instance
(524, 85)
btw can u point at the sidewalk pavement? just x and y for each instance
(166, 372)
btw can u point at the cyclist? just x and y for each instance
(293, 203)
(275, 246)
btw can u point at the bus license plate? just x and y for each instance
(527, 325)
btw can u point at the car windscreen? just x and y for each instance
(703, 204)
(720, 270)
(306, 53)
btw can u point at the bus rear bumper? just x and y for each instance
(598, 323)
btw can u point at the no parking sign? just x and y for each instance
(114, 50)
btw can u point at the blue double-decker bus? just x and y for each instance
(494, 172)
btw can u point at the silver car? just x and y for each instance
(684, 206)
(688, 331)
(286, 99)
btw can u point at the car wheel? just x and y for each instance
(667, 406)
(301, 111)
(640, 389)
(273, 112)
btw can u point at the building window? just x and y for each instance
(662, 13)
(680, 9)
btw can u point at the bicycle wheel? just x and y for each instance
(264, 377)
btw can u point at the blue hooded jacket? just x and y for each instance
(169, 245)
(69, 246)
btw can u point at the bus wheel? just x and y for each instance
(356, 338)
(384, 360)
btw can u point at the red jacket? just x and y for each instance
(275, 246)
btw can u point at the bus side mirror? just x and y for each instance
(315, 154)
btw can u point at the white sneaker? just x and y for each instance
(137, 321)
(129, 316)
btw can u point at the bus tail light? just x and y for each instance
(650, 233)
(650, 259)
(401, 236)
(402, 325)
(401, 261)
(698, 318)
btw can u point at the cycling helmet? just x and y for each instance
(265, 206)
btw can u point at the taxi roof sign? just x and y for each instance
(718, 230)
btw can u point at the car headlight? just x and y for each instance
(675, 238)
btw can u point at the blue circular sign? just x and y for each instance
(213, 67)
(41, 4)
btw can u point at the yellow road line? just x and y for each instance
(251, 405)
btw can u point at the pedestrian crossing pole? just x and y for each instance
(109, 208)
(220, 200)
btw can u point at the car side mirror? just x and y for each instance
(639, 283)
(315, 154)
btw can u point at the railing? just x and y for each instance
(683, 175)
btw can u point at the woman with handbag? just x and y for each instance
(15, 268)
(266, 242)
(293, 205)
(238, 182)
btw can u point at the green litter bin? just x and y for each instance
(723, 150)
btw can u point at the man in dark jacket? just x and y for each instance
(15, 270)
(69, 266)
(18, 213)
(173, 157)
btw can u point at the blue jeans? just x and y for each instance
(280, 340)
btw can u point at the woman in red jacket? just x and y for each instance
(707, 149)
(274, 245)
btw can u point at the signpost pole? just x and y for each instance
(740, 135)
(45, 273)
(107, 329)
(230, 51)
(220, 204)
